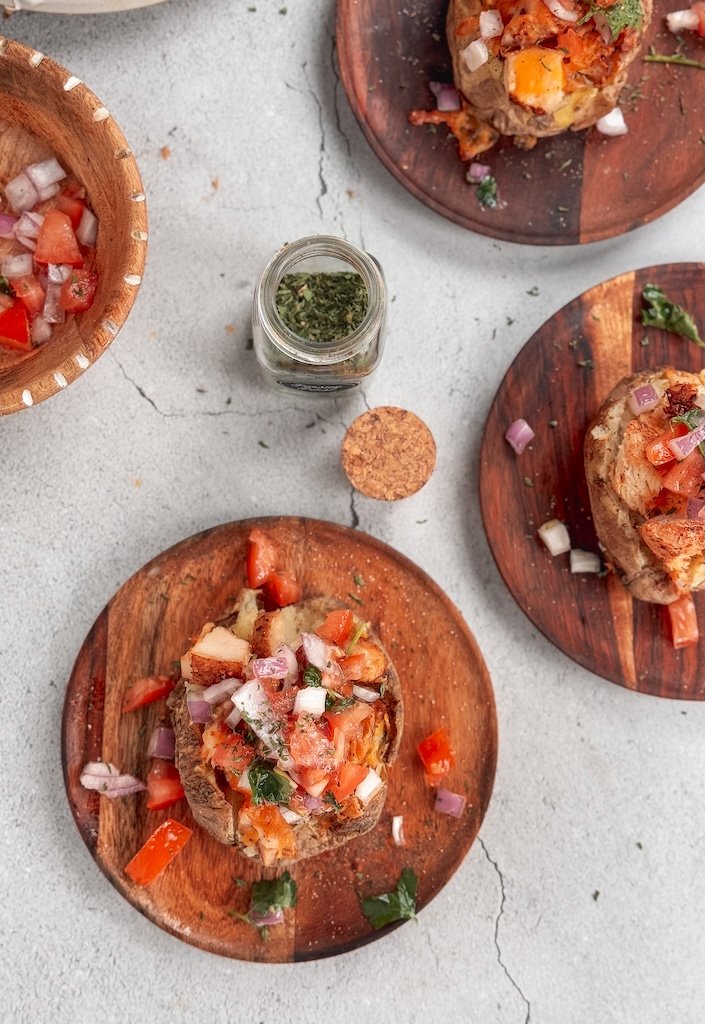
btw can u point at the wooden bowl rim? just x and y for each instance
(45, 383)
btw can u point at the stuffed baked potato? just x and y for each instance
(644, 467)
(306, 717)
(535, 68)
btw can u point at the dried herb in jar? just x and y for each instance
(322, 306)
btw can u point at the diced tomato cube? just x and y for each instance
(658, 453)
(30, 293)
(78, 290)
(14, 328)
(158, 852)
(282, 588)
(72, 207)
(684, 622)
(56, 242)
(262, 558)
(436, 753)
(146, 690)
(164, 786)
(347, 779)
(686, 477)
(353, 666)
(233, 755)
(337, 626)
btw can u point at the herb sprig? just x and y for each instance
(668, 316)
(389, 907)
(268, 785)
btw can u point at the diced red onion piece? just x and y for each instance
(643, 399)
(555, 536)
(680, 21)
(476, 54)
(28, 243)
(234, 718)
(519, 434)
(7, 223)
(447, 96)
(39, 330)
(21, 194)
(316, 650)
(162, 743)
(683, 446)
(47, 193)
(312, 803)
(57, 273)
(398, 829)
(310, 700)
(272, 917)
(219, 691)
(365, 693)
(47, 172)
(613, 123)
(292, 674)
(270, 668)
(368, 787)
(29, 224)
(450, 803)
(199, 710)
(695, 508)
(584, 561)
(106, 779)
(17, 266)
(87, 230)
(557, 8)
(52, 307)
(477, 172)
(491, 24)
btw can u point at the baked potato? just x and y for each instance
(646, 501)
(294, 758)
(534, 68)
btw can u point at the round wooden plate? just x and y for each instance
(576, 187)
(147, 625)
(591, 619)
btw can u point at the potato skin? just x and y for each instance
(617, 524)
(212, 807)
(489, 100)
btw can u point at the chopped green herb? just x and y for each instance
(399, 905)
(587, 363)
(528, 482)
(623, 14)
(322, 307)
(671, 58)
(249, 344)
(262, 929)
(354, 597)
(334, 702)
(239, 882)
(5, 286)
(486, 192)
(644, 342)
(359, 630)
(268, 897)
(269, 786)
(667, 315)
(329, 798)
(596, 895)
(573, 344)
(359, 581)
(312, 676)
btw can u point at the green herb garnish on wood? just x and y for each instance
(668, 316)
(268, 785)
(624, 14)
(673, 58)
(486, 192)
(268, 897)
(5, 286)
(322, 307)
(399, 905)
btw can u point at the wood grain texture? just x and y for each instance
(149, 623)
(40, 116)
(576, 187)
(594, 621)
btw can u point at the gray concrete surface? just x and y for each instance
(597, 790)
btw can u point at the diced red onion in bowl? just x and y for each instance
(21, 265)
(40, 330)
(613, 123)
(519, 434)
(52, 305)
(312, 803)
(447, 96)
(310, 700)
(270, 668)
(28, 243)
(29, 224)
(643, 399)
(449, 803)
(561, 12)
(555, 536)
(316, 650)
(162, 743)
(21, 194)
(57, 273)
(106, 779)
(7, 223)
(267, 920)
(682, 21)
(683, 446)
(491, 24)
(476, 54)
(365, 693)
(87, 230)
(234, 718)
(695, 508)
(45, 173)
(199, 710)
(477, 172)
(285, 651)
(219, 691)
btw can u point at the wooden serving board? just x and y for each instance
(147, 626)
(593, 620)
(575, 187)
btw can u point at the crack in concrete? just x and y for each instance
(336, 95)
(364, 399)
(355, 519)
(323, 184)
(500, 876)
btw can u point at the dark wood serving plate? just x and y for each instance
(593, 620)
(147, 625)
(576, 187)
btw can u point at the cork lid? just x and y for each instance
(388, 453)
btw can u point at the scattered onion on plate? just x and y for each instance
(447, 96)
(477, 172)
(398, 829)
(519, 434)
(450, 803)
(612, 124)
(555, 536)
(106, 779)
(584, 561)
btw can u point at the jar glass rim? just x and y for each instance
(284, 261)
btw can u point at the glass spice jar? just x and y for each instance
(318, 316)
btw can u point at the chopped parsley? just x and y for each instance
(667, 315)
(331, 799)
(312, 676)
(5, 286)
(692, 419)
(359, 581)
(268, 897)
(399, 905)
(334, 702)
(486, 192)
(268, 785)
(623, 14)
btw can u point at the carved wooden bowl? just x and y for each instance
(46, 110)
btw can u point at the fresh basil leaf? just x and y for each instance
(279, 894)
(399, 905)
(268, 785)
(668, 316)
(312, 676)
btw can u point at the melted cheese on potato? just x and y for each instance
(535, 77)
